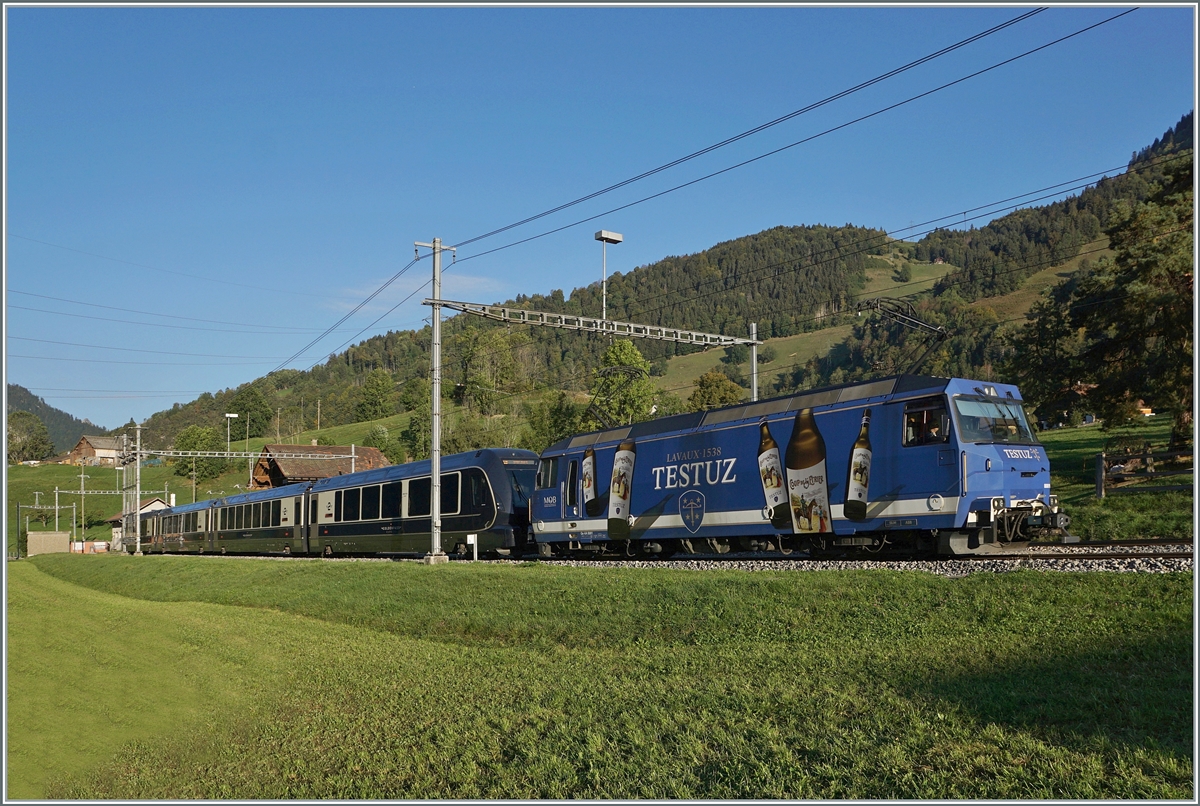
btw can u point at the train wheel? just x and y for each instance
(719, 545)
(328, 551)
(287, 549)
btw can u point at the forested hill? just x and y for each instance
(64, 429)
(787, 279)
(997, 258)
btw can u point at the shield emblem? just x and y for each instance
(691, 509)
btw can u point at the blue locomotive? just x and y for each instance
(373, 512)
(909, 462)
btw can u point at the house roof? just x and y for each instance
(306, 469)
(146, 504)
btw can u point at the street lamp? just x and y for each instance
(605, 238)
(228, 417)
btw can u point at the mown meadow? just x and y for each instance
(208, 677)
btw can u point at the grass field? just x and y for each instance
(183, 677)
(1072, 453)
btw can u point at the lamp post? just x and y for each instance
(605, 238)
(228, 417)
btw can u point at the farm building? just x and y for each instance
(148, 505)
(274, 470)
(95, 451)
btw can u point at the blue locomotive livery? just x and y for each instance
(907, 462)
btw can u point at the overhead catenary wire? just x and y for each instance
(797, 143)
(760, 128)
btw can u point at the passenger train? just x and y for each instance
(910, 463)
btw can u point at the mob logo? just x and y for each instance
(691, 509)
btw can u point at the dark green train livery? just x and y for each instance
(384, 511)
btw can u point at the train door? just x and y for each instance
(570, 491)
(930, 458)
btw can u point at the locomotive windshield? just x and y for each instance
(992, 420)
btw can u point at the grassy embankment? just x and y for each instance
(170, 677)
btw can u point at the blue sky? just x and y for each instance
(256, 172)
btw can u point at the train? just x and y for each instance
(907, 464)
(384, 511)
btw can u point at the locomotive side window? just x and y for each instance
(276, 511)
(370, 503)
(419, 495)
(337, 506)
(477, 495)
(926, 422)
(547, 477)
(350, 499)
(313, 509)
(391, 500)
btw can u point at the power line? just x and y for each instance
(280, 331)
(759, 128)
(276, 290)
(135, 350)
(798, 142)
(208, 320)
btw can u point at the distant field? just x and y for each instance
(191, 677)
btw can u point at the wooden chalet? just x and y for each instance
(272, 470)
(95, 451)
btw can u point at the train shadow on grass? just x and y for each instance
(1136, 692)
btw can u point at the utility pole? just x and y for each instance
(56, 508)
(278, 412)
(137, 492)
(435, 442)
(754, 361)
(318, 414)
(82, 500)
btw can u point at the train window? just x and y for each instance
(276, 512)
(419, 496)
(350, 500)
(926, 422)
(255, 516)
(223, 519)
(312, 509)
(337, 506)
(547, 476)
(391, 500)
(992, 420)
(572, 478)
(239, 514)
(476, 495)
(297, 511)
(449, 493)
(370, 503)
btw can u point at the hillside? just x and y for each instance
(794, 281)
(65, 430)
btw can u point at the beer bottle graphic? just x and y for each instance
(619, 491)
(770, 472)
(858, 475)
(807, 485)
(591, 502)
